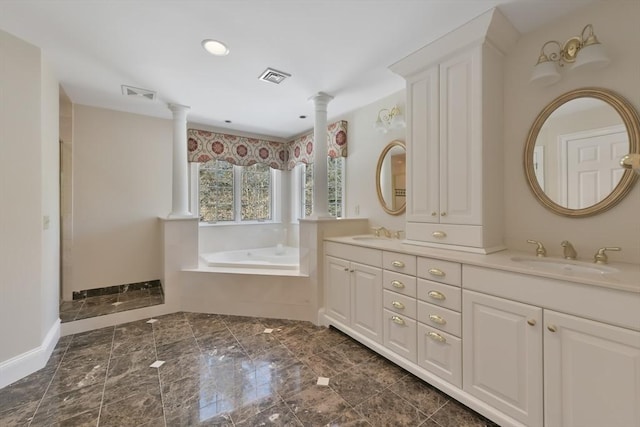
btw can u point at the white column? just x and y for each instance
(320, 152)
(180, 178)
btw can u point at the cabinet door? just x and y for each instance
(502, 360)
(400, 334)
(440, 353)
(366, 300)
(591, 373)
(423, 139)
(337, 291)
(461, 139)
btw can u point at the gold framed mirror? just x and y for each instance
(573, 151)
(391, 178)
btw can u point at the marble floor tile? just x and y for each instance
(223, 370)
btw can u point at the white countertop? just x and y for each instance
(626, 277)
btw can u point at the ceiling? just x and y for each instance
(341, 47)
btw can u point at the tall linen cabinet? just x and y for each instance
(455, 136)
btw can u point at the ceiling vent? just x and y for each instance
(273, 76)
(136, 91)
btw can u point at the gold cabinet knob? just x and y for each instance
(398, 264)
(436, 272)
(436, 295)
(436, 337)
(437, 319)
(443, 214)
(398, 320)
(397, 284)
(434, 213)
(439, 234)
(531, 322)
(552, 328)
(398, 305)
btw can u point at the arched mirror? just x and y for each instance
(391, 178)
(573, 151)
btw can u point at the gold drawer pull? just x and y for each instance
(437, 337)
(397, 284)
(398, 264)
(437, 295)
(439, 234)
(397, 320)
(398, 305)
(437, 319)
(436, 272)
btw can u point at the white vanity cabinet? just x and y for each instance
(502, 361)
(454, 137)
(353, 288)
(591, 373)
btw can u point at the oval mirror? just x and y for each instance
(391, 178)
(573, 151)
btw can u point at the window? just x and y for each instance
(235, 193)
(335, 181)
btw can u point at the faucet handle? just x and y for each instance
(377, 230)
(397, 233)
(540, 250)
(601, 257)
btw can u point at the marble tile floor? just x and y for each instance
(106, 304)
(223, 371)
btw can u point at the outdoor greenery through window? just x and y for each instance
(235, 193)
(335, 178)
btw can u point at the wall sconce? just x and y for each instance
(389, 119)
(592, 56)
(631, 161)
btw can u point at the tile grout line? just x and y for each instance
(106, 375)
(50, 381)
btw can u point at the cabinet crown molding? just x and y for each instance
(492, 27)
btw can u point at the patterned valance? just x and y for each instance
(205, 145)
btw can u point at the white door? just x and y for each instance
(593, 166)
(366, 300)
(337, 291)
(591, 373)
(502, 360)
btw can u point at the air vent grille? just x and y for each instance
(273, 76)
(137, 92)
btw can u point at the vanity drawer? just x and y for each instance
(399, 303)
(440, 294)
(400, 283)
(440, 271)
(437, 317)
(401, 263)
(359, 254)
(400, 334)
(440, 353)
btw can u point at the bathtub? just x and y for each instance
(276, 257)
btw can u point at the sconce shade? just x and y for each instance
(591, 57)
(398, 121)
(545, 73)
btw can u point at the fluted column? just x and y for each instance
(180, 177)
(320, 152)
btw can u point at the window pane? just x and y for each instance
(335, 181)
(216, 191)
(256, 192)
(308, 189)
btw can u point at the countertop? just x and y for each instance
(625, 277)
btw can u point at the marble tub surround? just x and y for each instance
(100, 305)
(624, 279)
(118, 289)
(224, 371)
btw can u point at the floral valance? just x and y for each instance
(204, 146)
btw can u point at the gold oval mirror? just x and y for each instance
(573, 151)
(391, 178)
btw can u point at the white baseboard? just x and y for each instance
(30, 361)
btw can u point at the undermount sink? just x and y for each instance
(564, 266)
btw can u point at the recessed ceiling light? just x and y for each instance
(227, 121)
(215, 47)
(303, 117)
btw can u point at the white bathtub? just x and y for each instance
(276, 257)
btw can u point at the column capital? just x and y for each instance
(178, 108)
(321, 100)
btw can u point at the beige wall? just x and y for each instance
(28, 190)
(121, 185)
(616, 26)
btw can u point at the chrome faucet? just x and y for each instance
(601, 257)
(569, 251)
(540, 250)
